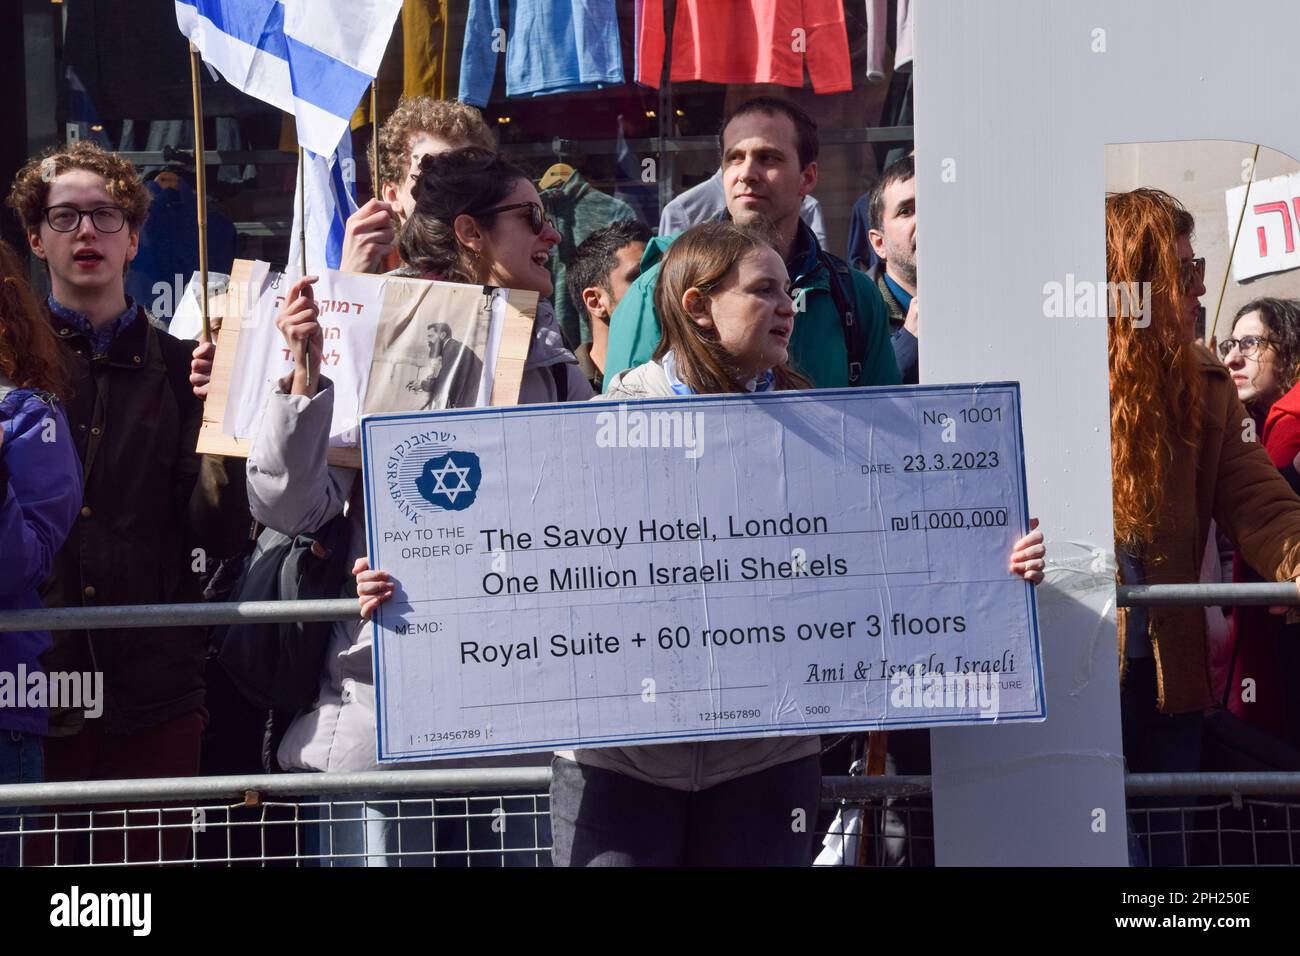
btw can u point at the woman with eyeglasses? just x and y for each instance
(1263, 357)
(1183, 453)
(1263, 354)
(477, 219)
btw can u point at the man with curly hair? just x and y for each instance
(135, 422)
(420, 126)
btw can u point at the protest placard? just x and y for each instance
(1268, 223)
(699, 568)
(390, 344)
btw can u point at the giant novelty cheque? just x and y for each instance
(605, 573)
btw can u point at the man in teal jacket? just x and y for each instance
(769, 162)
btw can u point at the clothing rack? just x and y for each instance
(695, 144)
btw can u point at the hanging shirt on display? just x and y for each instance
(703, 203)
(759, 41)
(552, 46)
(576, 210)
(903, 40)
(877, 39)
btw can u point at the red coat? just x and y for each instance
(1254, 629)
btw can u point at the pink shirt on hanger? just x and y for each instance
(748, 41)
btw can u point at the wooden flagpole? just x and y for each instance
(375, 189)
(1232, 250)
(201, 192)
(304, 348)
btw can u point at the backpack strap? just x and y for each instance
(560, 372)
(841, 285)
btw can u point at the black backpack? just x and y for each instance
(841, 283)
(277, 665)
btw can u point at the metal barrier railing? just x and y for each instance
(172, 615)
(1253, 820)
(500, 817)
(345, 609)
(1206, 595)
(508, 780)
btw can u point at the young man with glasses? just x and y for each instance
(134, 422)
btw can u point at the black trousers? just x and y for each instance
(602, 818)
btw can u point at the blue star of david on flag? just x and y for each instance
(450, 481)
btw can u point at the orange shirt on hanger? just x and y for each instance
(748, 41)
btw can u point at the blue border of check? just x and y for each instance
(371, 421)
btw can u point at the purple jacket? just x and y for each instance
(40, 494)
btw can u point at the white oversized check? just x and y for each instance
(602, 573)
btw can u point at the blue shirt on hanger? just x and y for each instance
(552, 46)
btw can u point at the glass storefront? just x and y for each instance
(117, 71)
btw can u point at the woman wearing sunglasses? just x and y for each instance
(477, 219)
(1263, 357)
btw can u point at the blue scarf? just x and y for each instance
(762, 383)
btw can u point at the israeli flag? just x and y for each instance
(331, 185)
(311, 58)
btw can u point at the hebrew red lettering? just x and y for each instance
(1279, 207)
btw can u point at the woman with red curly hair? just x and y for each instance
(1182, 453)
(40, 492)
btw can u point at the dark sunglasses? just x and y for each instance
(1193, 271)
(536, 217)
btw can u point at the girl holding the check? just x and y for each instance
(727, 316)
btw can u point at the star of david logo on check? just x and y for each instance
(450, 481)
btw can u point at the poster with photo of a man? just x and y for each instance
(446, 359)
(429, 351)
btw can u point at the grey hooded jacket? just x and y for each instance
(686, 766)
(292, 489)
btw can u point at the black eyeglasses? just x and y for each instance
(1248, 344)
(68, 218)
(1193, 271)
(537, 218)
